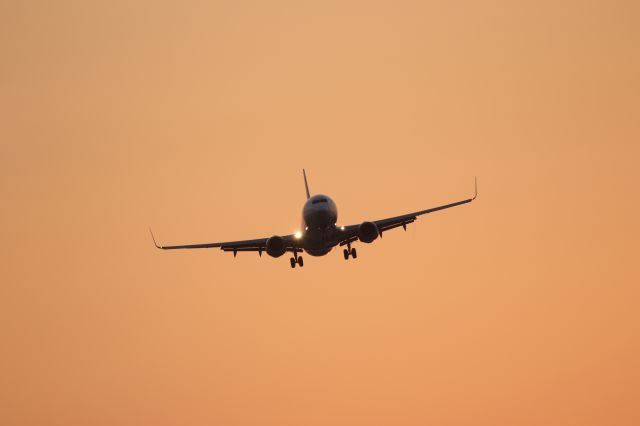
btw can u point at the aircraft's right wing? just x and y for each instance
(258, 245)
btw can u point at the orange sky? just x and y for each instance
(196, 118)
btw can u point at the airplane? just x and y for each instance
(321, 232)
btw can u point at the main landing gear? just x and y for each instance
(296, 260)
(349, 251)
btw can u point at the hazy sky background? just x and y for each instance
(195, 118)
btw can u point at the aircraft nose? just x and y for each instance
(323, 214)
(320, 217)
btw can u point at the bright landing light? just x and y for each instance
(298, 235)
(342, 228)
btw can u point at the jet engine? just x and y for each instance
(276, 246)
(367, 232)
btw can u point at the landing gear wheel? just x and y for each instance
(293, 262)
(300, 261)
(346, 254)
(354, 253)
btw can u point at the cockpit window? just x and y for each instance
(319, 200)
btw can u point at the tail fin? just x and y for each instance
(306, 185)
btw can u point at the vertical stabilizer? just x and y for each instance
(306, 185)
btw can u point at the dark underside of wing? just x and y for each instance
(394, 222)
(351, 232)
(258, 245)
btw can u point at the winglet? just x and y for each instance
(306, 185)
(154, 239)
(476, 193)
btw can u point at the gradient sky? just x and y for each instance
(196, 118)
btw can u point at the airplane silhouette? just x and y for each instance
(320, 233)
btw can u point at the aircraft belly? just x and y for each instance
(318, 243)
(318, 252)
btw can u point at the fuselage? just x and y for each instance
(319, 218)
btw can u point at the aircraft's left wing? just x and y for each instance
(258, 245)
(351, 231)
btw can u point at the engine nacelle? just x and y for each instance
(276, 246)
(367, 232)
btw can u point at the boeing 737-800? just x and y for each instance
(320, 231)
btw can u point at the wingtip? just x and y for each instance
(154, 239)
(475, 195)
